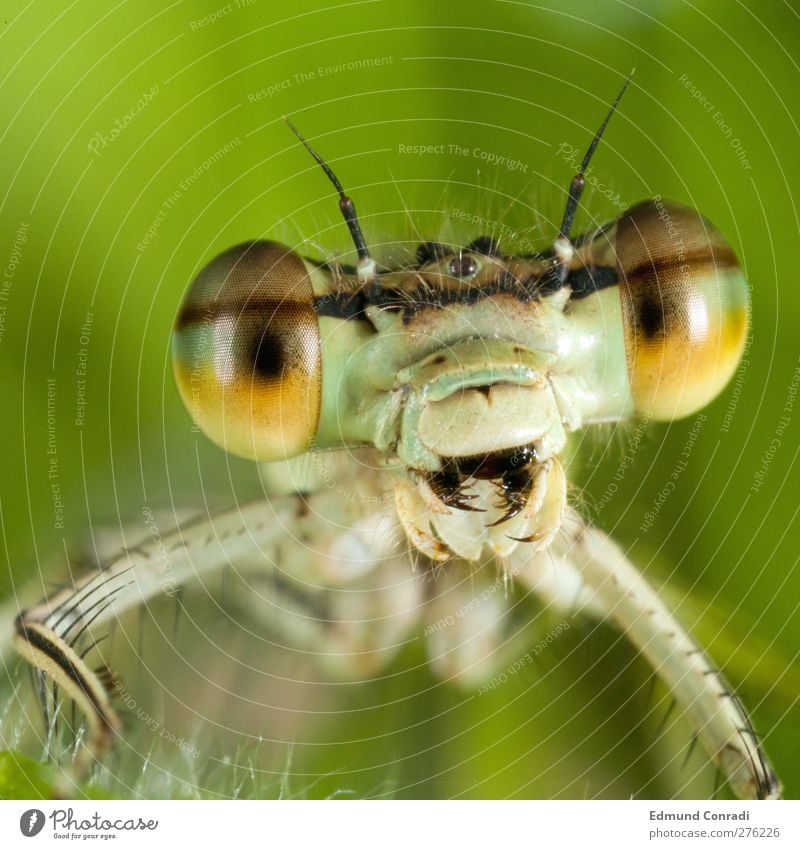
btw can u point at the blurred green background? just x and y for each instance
(140, 139)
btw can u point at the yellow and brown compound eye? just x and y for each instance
(684, 305)
(246, 352)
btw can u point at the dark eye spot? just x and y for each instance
(463, 265)
(650, 316)
(267, 356)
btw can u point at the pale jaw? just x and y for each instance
(481, 531)
(498, 481)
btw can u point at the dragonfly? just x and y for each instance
(445, 392)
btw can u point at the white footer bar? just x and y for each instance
(404, 825)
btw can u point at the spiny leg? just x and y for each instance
(584, 569)
(48, 634)
(327, 577)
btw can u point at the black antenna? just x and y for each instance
(366, 265)
(576, 187)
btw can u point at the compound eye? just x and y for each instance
(246, 352)
(684, 304)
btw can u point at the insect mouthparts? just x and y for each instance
(492, 465)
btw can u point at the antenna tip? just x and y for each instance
(289, 123)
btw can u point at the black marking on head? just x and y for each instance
(590, 279)
(352, 305)
(431, 252)
(485, 245)
(582, 281)
(345, 305)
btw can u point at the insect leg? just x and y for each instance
(587, 566)
(47, 635)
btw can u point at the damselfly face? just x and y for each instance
(464, 373)
(467, 370)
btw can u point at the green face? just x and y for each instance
(469, 368)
